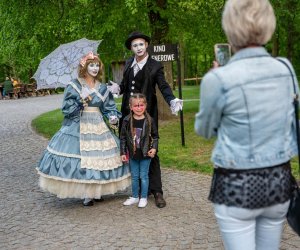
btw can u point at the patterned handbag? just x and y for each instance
(293, 215)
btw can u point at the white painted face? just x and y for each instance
(93, 69)
(138, 47)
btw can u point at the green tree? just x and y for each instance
(31, 29)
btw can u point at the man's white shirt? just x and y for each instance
(137, 66)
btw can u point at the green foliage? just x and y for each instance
(133, 5)
(31, 29)
(288, 30)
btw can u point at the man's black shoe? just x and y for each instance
(159, 200)
(99, 200)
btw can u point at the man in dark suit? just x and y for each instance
(141, 75)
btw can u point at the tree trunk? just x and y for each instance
(164, 112)
(159, 26)
(159, 29)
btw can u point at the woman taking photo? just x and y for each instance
(248, 105)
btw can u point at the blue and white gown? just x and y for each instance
(82, 159)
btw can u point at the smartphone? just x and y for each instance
(222, 53)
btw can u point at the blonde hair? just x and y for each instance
(248, 22)
(82, 70)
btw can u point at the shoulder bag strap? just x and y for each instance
(296, 106)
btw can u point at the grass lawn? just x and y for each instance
(194, 156)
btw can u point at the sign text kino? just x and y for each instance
(163, 52)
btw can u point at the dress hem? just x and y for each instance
(80, 189)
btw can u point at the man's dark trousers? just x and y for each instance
(155, 184)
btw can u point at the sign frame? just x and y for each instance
(170, 53)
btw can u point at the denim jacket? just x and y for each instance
(248, 105)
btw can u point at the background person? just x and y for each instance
(82, 159)
(248, 105)
(8, 87)
(141, 75)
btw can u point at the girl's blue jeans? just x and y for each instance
(140, 170)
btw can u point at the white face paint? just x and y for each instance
(138, 47)
(93, 69)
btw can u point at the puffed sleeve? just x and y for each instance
(208, 119)
(71, 103)
(109, 107)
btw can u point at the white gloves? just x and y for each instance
(113, 120)
(176, 105)
(114, 88)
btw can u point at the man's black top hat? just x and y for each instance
(135, 35)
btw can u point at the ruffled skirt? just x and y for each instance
(82, 160)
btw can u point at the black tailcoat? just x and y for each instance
(146, 80)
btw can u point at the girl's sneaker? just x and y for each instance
(143, 202)
(130, 201)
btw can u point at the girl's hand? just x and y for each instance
(152, 152)
(124, 158)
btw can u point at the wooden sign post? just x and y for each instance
(169, 53)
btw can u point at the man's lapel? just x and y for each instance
(128, 64)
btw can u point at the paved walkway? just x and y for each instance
(32, 219)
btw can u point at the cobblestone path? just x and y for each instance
(32, 219)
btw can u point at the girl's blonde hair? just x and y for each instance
(147, 116)
(248, 22)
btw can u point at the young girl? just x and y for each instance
(139, 138)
